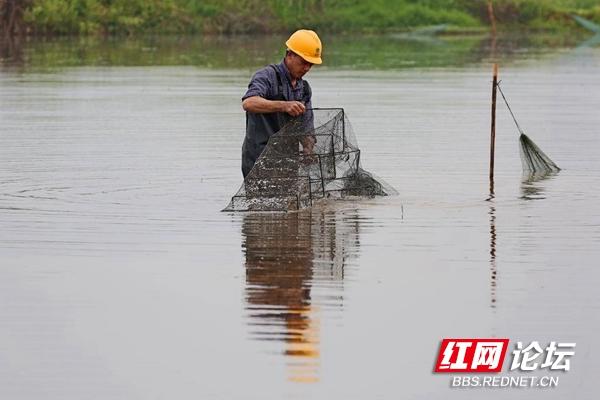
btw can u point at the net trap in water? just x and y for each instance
(536, 164)
(313, 157)
(533, 160)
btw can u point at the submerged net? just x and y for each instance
(533, 160)
(313, 157)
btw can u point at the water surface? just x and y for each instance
(120, 278)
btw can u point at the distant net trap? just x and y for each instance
(534, 161)
(312, 158)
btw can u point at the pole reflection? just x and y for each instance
(493, 268)
(294, 273)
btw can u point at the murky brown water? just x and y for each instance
(120, 278)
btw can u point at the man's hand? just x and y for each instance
(294, 108)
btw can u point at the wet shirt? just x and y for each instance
(259, 127)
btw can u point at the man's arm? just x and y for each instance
(259, 105)
(309, 141)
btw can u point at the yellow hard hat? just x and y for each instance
(307, 45)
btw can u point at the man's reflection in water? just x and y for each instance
(288, 256)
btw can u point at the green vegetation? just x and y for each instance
(357, 51)
(108, 17)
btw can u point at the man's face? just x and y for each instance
(297, 66)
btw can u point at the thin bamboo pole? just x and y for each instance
(493, 128)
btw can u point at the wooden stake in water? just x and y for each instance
(493, 130)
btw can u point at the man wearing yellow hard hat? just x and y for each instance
(277, 93)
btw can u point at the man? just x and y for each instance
(278, 93)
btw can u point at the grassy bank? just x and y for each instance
(51, 17)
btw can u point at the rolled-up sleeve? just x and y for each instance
(260, 85)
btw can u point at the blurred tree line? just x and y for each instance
(109, 17)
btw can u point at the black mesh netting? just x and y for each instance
(313, 157)
(533, 159)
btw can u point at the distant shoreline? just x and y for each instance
(131, 17)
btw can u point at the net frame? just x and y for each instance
(312, 157)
